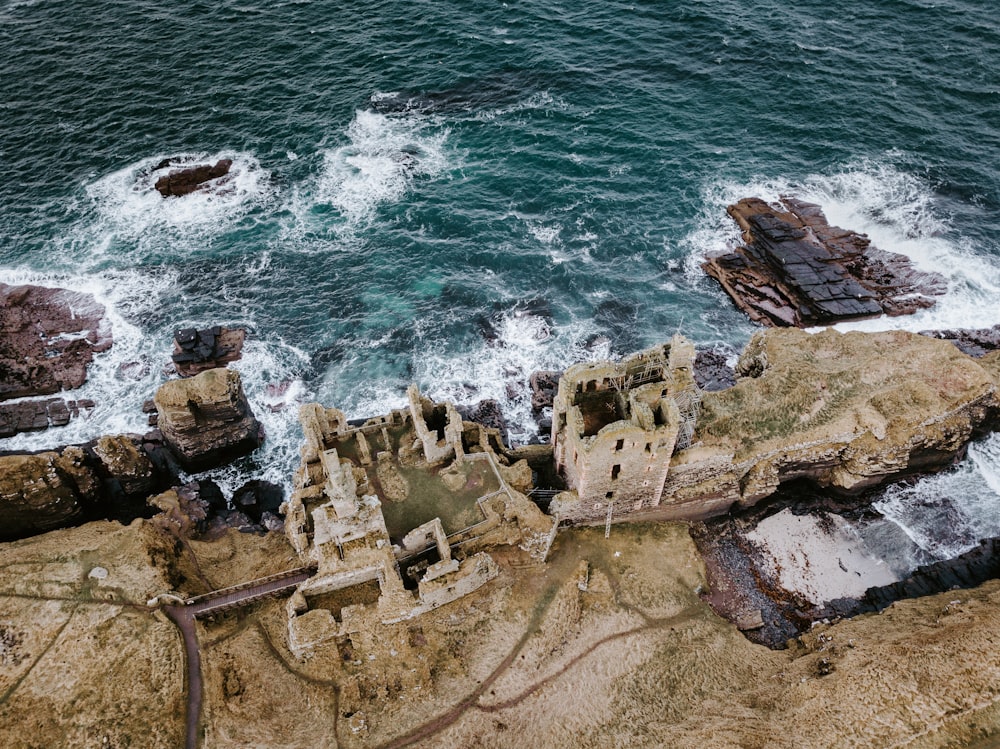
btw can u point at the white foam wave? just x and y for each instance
(497, 369)
(897, 210)
(128, 207)
(383, 156)
(270, 371)
(500, 369)
(949, 513)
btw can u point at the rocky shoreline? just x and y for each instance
(203, 420)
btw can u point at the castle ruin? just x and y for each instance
(615, 427)
(397, 515)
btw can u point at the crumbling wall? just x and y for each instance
(616, 426)
(444, 440)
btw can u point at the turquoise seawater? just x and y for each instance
(457, 193)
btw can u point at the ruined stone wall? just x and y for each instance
(615, 428)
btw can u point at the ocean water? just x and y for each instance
(457, 193)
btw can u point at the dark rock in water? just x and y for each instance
(189, 179)
(29, 416)
(256, 497)
(206, 419)
(975, 343)
(797, 270)
(488, 413)
(198, 350)
(544, 385)
(48, 337)
(36, 415)
(711, 371)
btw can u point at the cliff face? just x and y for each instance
(109, 477)
(847, 411)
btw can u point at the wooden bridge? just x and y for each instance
(247, 592)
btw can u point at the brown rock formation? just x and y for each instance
(109, 478)
(47, 339)
(35, 495)
(190, 178)
(206, 419)
(198, 350)
(846, 411)
(796, 269)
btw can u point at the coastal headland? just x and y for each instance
(679, 565)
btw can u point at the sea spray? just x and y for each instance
(382, 157)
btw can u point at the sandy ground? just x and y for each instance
(608, 645)
(817, 556)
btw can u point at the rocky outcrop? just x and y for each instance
(256, 499)
(206, 419)
(107, 478)
(198, 350)
(48, 337)
(36, 415)
(975, 343)
(797, 270)
(189, 179)
(844, 411)
(712, 371)
(544, 385)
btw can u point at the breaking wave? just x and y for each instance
(949, 513)
(900, 213)
(498, 368)
(120, 379)
(383, 157)
(130, 206)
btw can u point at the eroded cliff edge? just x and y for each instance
(846, 410)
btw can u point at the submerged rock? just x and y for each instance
(198, 350)
(797, 270)
(48, 337)
(189, 179)
(206, 419)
